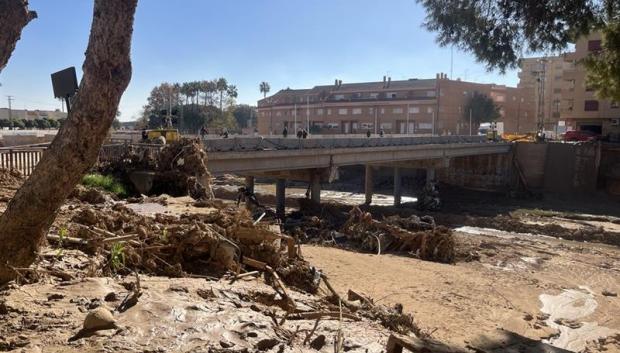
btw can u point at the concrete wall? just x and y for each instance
(484, 172)
(18, 140)
(531, 158)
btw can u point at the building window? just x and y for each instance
(374, 95)
(414, 110)
(589, 88)
(367, 126)
(371, 110)
(278, 113)
(429, 110)
(382, 110)
(397, 110)
(343, 111)
(464, 93)
(386, 126)
(356, 111)
(425, 126)
(500, 98)
(390, 95)
(594, 45)
(590, 106)
(571, 105)
(614, 105)
(431, 93)
(319, 111)
(339, 97)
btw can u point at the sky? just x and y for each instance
(288, 43)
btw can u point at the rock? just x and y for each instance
(318, 342)
(528, 317)
(226, 344)
(111, 297)
(266, 344)
(609, 293)
(55, 296)
(99, 319)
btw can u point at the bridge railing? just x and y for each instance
(240, 144)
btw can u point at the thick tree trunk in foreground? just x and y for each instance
(14, 16)
(107, 71)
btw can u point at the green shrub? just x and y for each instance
(105, 182)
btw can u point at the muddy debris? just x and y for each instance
(358, 230)
(179, 168)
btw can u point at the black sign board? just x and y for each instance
(65, 83)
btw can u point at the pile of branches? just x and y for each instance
(180, 168)
(212, 244)
(328, 225)
(419, 236)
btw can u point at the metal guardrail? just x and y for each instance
(22, 159)
(240, 144)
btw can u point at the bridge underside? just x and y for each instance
(317, 166)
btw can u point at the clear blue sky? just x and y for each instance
(288, 43)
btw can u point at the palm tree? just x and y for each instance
(264, 88)
(222, 86)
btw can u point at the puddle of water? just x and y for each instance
(573, 304)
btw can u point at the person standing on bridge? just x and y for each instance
(381, 133)
(304, 133)
(300, 134)
(285, 132)
(368, 133)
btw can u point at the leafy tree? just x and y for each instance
(116, 124)
(264, 88)
(29, 124)
(18, 124)
(60, 121)
(244, 114)
(483, 109)
(54, 123)
(499, 32)
(604, 67)
(5, 123)
(41, 124)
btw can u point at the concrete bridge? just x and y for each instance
(316, 160)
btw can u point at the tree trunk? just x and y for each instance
(14, 16)
(107, 71)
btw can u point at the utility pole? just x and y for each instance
(308, 114)
(10, 99)
(470, 121)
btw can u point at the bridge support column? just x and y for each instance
(249, 183)
(397, 186)
(430, 175)
(280, 197)
(368, 184)
(315, 188)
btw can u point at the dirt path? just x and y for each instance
(460, 303)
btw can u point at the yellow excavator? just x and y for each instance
(162, 135)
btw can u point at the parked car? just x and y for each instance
(580, 135)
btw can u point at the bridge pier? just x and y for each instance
(315, 187)
(249, 183)
(397, 186)
(280, 198)
(368, 184)
(430, 175)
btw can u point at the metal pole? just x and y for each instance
(470, 130)
(10, 98)
(308, 114)
(376, 108)
(407, 126)
(295, 116)
(433, 124)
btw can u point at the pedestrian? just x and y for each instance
(285, 132)
(381, 133)
(203, 132)
(145, 135)
(368, 133)
(299, 133)
(304, 133)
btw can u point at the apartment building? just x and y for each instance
(31, 114)
(561, 97)
(420, 106)
(543, 77)
(580, 107)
